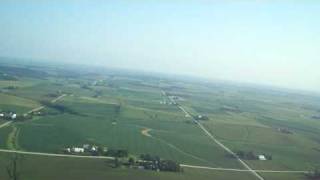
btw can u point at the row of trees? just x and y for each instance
(119, 153)
(147, 161)
(315, 174)
(250, 155)
(59, 107)
(154, 162)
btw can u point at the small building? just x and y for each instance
(86, 146)
(1, 114)
(105, 149)
(94, 149)
(14, 116)
(78, 150)
(262, 158)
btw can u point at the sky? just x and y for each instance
(253, 41)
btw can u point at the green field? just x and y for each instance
(115, 110)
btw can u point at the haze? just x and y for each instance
(263, 42)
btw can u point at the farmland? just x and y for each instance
(126, 110)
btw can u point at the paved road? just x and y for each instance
(54, 155)
(41, 107)
(5, 124)
(218, 142)
(58, 98)
(223, 146)
(238, 170)
(33, 110)
(111, 158)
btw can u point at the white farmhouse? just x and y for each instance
(94, 148)
(262, 158)
(13, 116)
(78, 150)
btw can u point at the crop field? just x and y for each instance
(136, 113)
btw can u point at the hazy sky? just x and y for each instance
(266, 42)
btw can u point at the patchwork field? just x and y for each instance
(142, 115)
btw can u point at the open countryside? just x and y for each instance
(154, 127)
(159, 90)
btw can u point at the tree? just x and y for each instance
(315, 174)
(131, 161)
(169, 165)
(116, 162)
(12, 168)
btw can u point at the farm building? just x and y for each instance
(262, 158)
(13, 116)
(77, 150)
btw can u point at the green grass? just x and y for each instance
(16, 104)
(4, 133)
(242, 118)
(39, 168)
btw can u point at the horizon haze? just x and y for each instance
(261, 42)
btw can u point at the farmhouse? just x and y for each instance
(201, 117)
(13, 116)
(262, 158)
(8, 116)
(86, 146)
(77, 150)
(94, 149)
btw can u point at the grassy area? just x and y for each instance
(112, 110)
(38, 168)
(16, 104)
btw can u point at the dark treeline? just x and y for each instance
(154, 162)
(59, 107)
(315, 175)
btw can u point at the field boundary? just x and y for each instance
(112, 158)
(239, 170)
(54, 154)
(249, 169)
(5, 124)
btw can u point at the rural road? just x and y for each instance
(217, 141)
(248, 169)
(111, 158)
(54, 155)
(41, 107)
(238, 170)
(58, 98)
(222, 146)
(5, 124)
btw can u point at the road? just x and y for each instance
(248, 168)
(222, 146)
(58, 98)
(54, 155)
(41, 107)
(238, 170)
(217, 141)
(5, 124)
(111, 158)
(34, 110)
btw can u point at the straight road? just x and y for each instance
(41, 107)
(239, 170)
(54, 155)
(111, 158)
(5, 124)
(217, 141)
(221, 145)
